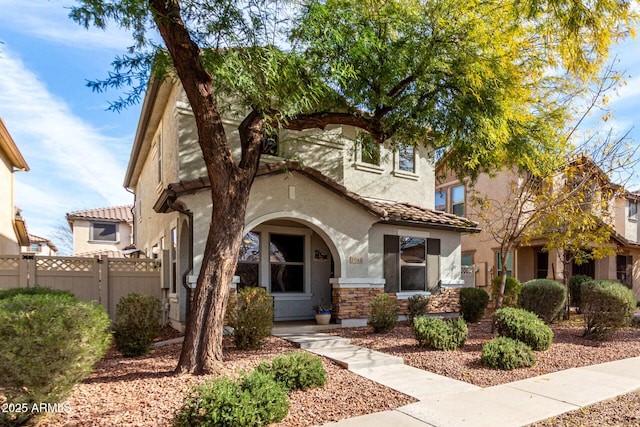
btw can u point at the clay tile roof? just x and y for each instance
(387, 211)
(398, 212)
(37, 239)
(114, 213)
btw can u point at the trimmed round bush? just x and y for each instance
(296, 370)
(137, 324)
(250, 314)
(254, 400)
(49, 343)
(473, 303)
(525, 326)
(544, 297)
(506, 353)
(606, 307)
(383, 314)
(512, 288)
(439, 334)
(416, 306)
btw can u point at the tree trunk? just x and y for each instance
(202, 347)
(230, 188)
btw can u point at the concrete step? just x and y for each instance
(353, 357)
(314, 340)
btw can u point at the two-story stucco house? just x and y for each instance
(103, 231)
(481, 254)
(333, 225)
(13, 232)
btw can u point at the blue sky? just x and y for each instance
(78, 151)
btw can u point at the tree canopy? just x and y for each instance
(490, 80)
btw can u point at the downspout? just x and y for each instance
(185, 284)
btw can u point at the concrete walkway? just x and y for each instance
(447, 402)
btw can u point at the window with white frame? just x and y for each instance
(441, 200)
(370, 152)
(275, 259)
(270, 142)
(286, 259)
(104, 232)
(633, 209)
(248, 268)
(457, 200)
(411, 264)
(406, 158)
(509, 264)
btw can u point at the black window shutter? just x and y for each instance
(391, 263)
(433, 246)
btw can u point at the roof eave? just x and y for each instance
(8, 146)
(432, 225)
(156, 89)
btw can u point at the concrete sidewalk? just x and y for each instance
(447, 402)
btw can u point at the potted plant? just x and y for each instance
(323, 313)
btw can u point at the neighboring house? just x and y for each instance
(13, 231)
(40, 246)
(480, 252)
(344, 227)
(103, 231)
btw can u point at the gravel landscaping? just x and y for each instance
(143, 391)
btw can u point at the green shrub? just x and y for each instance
(250, 314)
(606, 307)
(522, 325)
(383, 314)
(512, 288)
(296, 370)
(416, 306)
(473, 303)
(544, 297)
(49, 343)
(33, 290)
(254, 400)
(440, 334)
(506, 353)
(575, 283)
(137, 324)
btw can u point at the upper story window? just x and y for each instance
(406, 158)
(270, 141)
(457, 200)
(370, 152)
(104, 232)
(441, 200)
(633, 209)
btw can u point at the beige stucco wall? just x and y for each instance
(331, 151)
(8, 240)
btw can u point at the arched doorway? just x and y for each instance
(293, 260)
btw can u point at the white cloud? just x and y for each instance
(49, 21)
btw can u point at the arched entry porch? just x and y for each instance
(291, 257)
